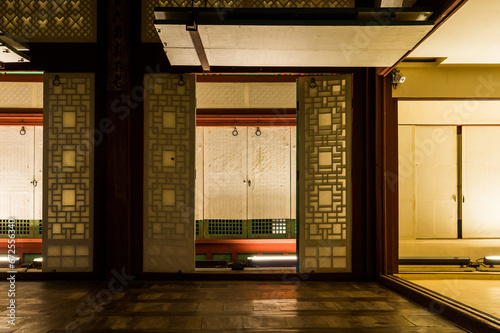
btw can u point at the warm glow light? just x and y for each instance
(492, 260)
(37, 260)
(8, 259)
(271, 258)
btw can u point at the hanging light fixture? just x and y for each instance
(11, 50)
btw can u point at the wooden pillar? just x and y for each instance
(387, 177)
(117, 129)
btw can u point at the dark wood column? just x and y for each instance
(116, 127)
(386, 177)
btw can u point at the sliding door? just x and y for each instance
(225, 173)
(269, 173)
(435, 157)
(481, 182)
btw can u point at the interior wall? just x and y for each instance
(447, 81)
(428, 176)
(245, 176)
(481, 186)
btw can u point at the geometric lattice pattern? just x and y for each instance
(149, 31)
(222, 228)
(68, 172)
(240, 229)
(50, 21)
(23, 228)
(169, 161)
(324, 183)
(21, 95)
(246, 95)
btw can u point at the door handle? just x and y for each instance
(249, 183)
(34, 182)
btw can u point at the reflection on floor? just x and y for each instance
(477, 289)
(21, 270)
(186, 306)
(249, 270)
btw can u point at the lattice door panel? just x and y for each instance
(325, 174)
(169, 171)
(68, 172)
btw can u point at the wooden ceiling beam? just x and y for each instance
(200, 50)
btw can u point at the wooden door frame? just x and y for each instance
(363, 183)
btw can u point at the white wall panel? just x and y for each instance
(459, 112)
(481, 181)
(199, 173)
(16, 172)
(225, 179)
(406, 174)
(435, 156)
(269, 173)
(293, 172)
(38, 173)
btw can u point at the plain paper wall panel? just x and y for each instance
(37, 170)
(225, 179)
(199, 174)
(16, 172)
(269, 173)
(406, 174)
(436, 181)
(293, 173)
(481, 181)
(459, 112)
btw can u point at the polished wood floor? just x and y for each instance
(146, 306)
(479, 290)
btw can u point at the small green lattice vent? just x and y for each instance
(225, 229)
(199, 228)
(270, 228)
(22, 228)
(37, 233)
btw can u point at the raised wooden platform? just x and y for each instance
(203, 246)
(236, 246)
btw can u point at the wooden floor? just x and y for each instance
(146, 306)
(478, 290)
